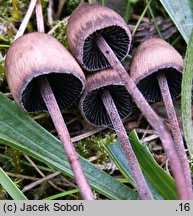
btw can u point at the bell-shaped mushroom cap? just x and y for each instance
(91, 103)
(36, 54)
(88, 21)
(155, 55)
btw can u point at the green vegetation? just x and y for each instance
(29, 148)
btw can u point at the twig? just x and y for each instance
(34, 165)
(66, 182)
(34, 184)
(72, 120)
(141, 130)
(85, 135)
(149, 138)
(26, 19)
(40, 172)
(39, 17)
(145, 133)
(16, 175)
(50, 12)
(65, 20)
(60, 8)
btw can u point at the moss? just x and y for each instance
(60, 32)
(93, 147)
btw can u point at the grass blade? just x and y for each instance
(186, 98)
(19, 131)
(181, 12)
(62, 194)
(160, 182)
(10, 186)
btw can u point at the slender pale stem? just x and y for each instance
(150, 115)
(26, 19)
(60, 8)
(116, 121)
(175, 129)
(50, 12)
(39, 17)
(64, 136)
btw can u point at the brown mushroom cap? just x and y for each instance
(88, 21)
(36, 54)
(153, 56)
(91, 104)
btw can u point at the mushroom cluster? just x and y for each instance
(99, 38)
(84, 35)
(44, 76)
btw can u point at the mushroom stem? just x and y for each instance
(64, 136)
(175, 129)
(116, 121)
(54, 111)
(149, 114)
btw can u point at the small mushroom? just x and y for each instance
(89, 22)
(43, 76)
(157, 70)
(99, 38)
(105, 102)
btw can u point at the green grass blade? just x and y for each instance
(181, 12)
(186, 98)
(116, 154)
(4, 46)
(19, 131)
(154, 18)
(141, 17)
(10, 186)
(104, 2)
(59, 195)
(159, 181)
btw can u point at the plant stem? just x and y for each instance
(149, 114)
(64, 136)
(104, 2)
(140, 19)
(154, 19)
(116, 121)
(127, 11)
(175, 129)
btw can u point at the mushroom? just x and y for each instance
(105, 102)
(99, 36)
(156, 68)
(43, 76)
